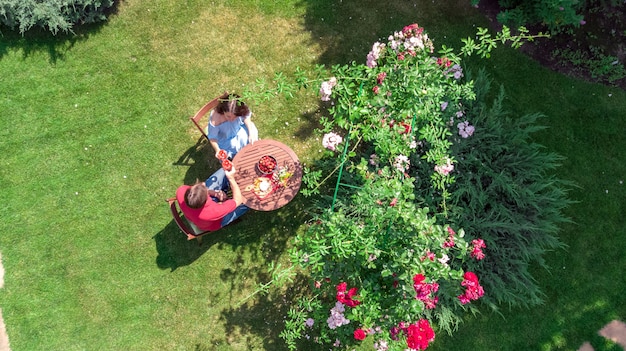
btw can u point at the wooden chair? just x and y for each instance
(197, 118)
(185, 225)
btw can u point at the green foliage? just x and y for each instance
(373, 235)
(556, 15)
(52, 15)
(505, 193)
(377, 239)
(485, 42)
(601, 66)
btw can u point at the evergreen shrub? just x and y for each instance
(52, 15)
(556, 16)
(505, 193)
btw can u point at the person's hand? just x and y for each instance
(227, 165)
(230, 174)
(221, 155)
(253, 135)
(220, 195)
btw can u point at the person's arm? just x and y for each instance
(215, 146)
(234, 187)
(212, 134)
(253, 132)
(218, 194)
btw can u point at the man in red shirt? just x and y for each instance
(206, 204)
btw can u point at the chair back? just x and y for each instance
(197, 119)
(184, 225)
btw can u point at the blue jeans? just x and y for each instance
(218, 181)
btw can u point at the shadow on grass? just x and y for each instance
(333, 22)
(174, 250)
(264, 316)
(199, 160)
(260, 239)
(311, 123)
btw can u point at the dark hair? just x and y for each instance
(196, 195)
(232, 103)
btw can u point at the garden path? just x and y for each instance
(614, 331)
(4, 338)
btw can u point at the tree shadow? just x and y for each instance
(260, 239)
(331, 23)
(310, 123)
(37, 40)
(265, 316)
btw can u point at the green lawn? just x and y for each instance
(95, 135)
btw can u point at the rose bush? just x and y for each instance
(386, 258)
(383, 267)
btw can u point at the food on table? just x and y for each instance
(267, 164)
(281, 176)
(222, 155)
(227, 165)
(262, 187)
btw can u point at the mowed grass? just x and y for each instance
(95, 135)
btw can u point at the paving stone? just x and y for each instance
(616, 332)
(586, 347)
(1, 273)
(4, 338)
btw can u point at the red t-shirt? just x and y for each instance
(208, 217)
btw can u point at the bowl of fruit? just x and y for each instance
(267, 164)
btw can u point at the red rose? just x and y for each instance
(407, 128)
(419, 335)
(418, 278)
(471, 276)
(344, 298)
(359, 334)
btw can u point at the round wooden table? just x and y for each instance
(245, 163)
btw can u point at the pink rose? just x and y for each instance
(331, 140)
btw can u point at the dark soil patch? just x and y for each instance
(595, 51)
